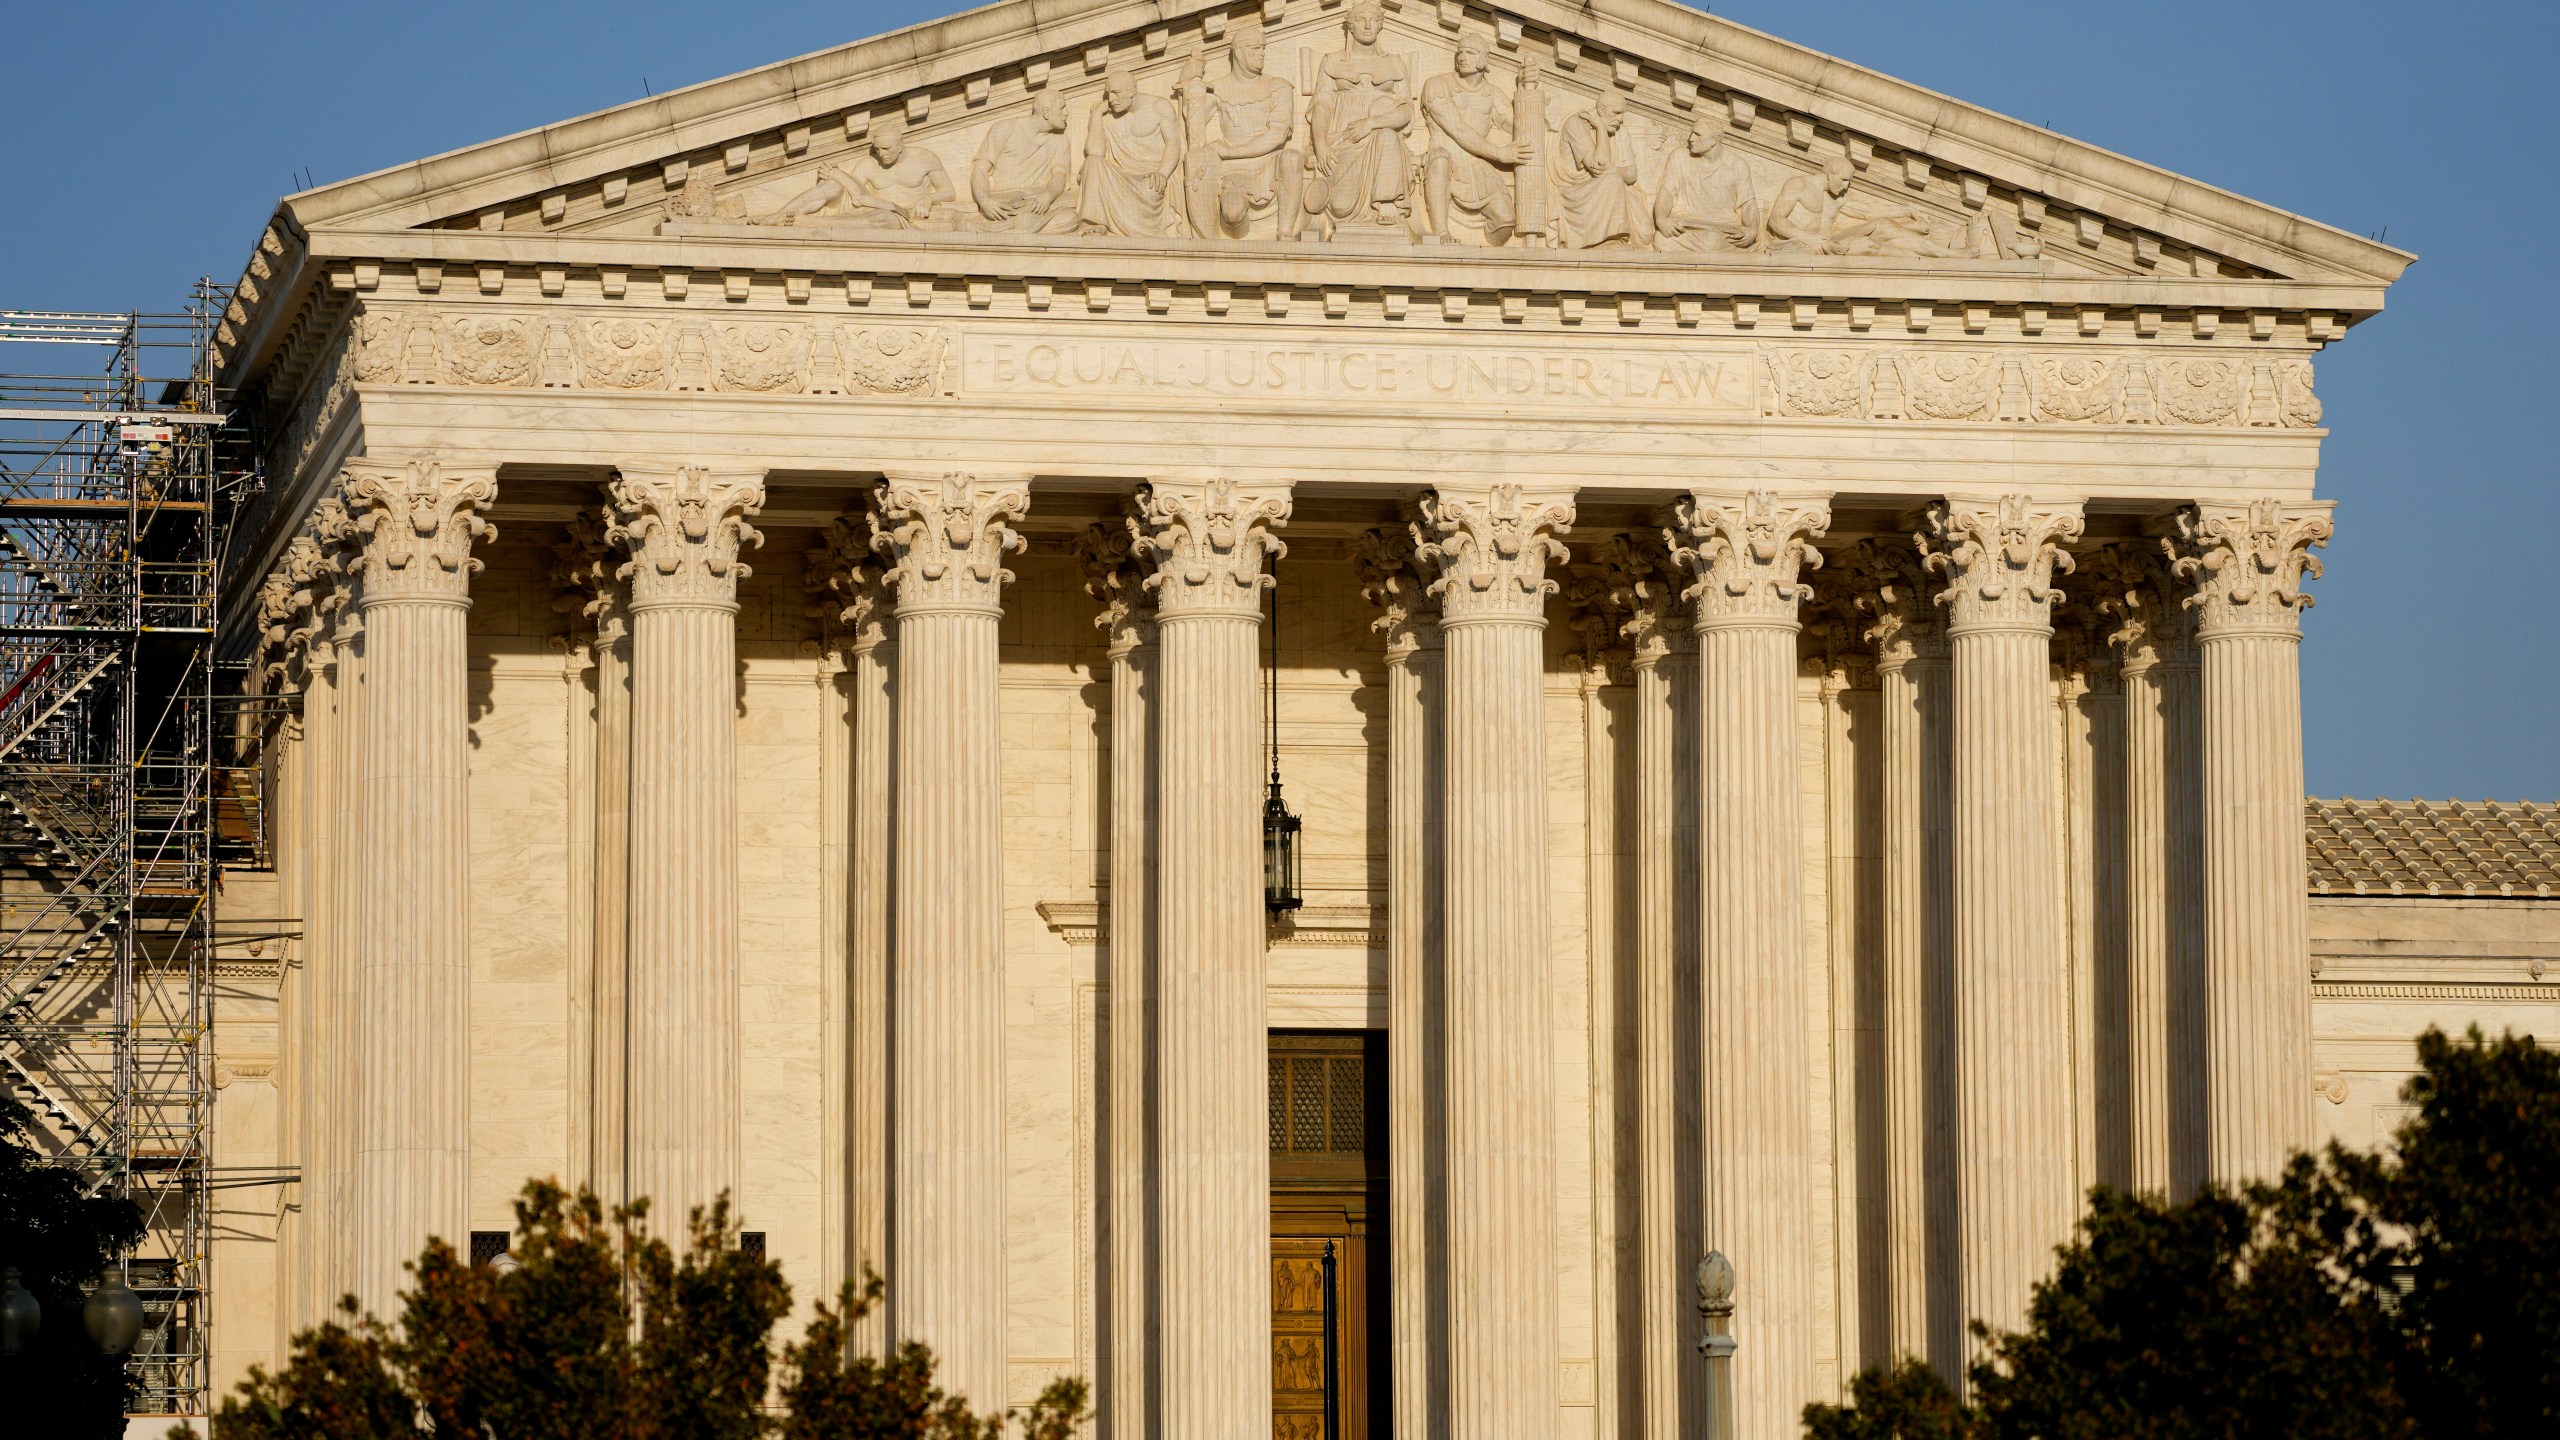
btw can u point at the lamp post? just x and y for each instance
(21, 1314)
(1715, 1305)
(112, 1315)
(1280, 893)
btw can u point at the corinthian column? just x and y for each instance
(684, 528)
(2011, 1002)
(1923, 1318)
(1128, 622)
(1755, 1117)
(1490, 547)
(586, 567)
(851, 600)
(1209, 543)
(2164, 882)
(417, 520)
(1416, 1231)
(2248, 564)
(946, 537)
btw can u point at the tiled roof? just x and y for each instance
(2433, 847)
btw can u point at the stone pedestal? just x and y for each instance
(1746, 552)
(1490, 548)
(412, 1046)
(1209, 543)
(683, 529)
(2011, 1002)
(2248, 564)
(946, 537)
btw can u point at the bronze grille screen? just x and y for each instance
(1318, 1086)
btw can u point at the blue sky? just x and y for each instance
(147, 141)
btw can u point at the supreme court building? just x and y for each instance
(1777, 593)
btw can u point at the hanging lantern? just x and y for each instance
(1279, 853)
(1279, 827)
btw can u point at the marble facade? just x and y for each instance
(1787, 588)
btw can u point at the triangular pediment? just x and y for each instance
(790, 152)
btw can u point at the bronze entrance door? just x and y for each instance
(1328, 1235)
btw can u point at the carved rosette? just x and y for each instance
(1210, 543)
(1392, 577)
(945, 537)
(1116, 577)
(414, 522)
(2247, 564)
(847, 585)
(683, 528)
(1746, 550)
(583, 570)
(1490, 548)
(1999, 558)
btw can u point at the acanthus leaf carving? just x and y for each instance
(417, 522)
(1747, 551)
(847, 584)
(946, 537)
(1115, 575)
(1490, 548)
(683, 528)
(1626, 596)
(1210, 543)
(1998, 557)
(585, 579)
(1392, 577)
(1888, 588)
(2247, 564)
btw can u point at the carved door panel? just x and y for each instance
(1328, 1185)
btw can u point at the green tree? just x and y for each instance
(601, 1330)
(2399, 1292)
(59, 1238)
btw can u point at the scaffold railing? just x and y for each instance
(113, 494)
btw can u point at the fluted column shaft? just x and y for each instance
(1747, 551)
(1911, 675)
(2011, 1001)
(2163, 881)
(684, 529)
(1416, 1200)
(1490, 548)
(413, 804)
(587, 569)
(1667, 1108)
(1116, 578)
(1209, 543)
(946, 538)
(2249, 563)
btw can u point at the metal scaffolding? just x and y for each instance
(114, 488)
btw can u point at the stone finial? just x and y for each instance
(1490, 548)
(414, 523)
(2247, 564)
(684, 528)
(945, 538)
(1209, 543)
(1999, 558)
(1746, 550)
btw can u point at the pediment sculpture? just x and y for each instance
(1375, 142)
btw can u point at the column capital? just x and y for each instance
(1116, 577)
(1747, 549)
(1389, 562)
(2247, 564)
(848, 587)
(2133, 606)
(1999, 556)
(946, 536)
(1624, 595)
(684, 526)
(1491, 545)
(413, 522)
(583, 573)
(1209, 542)
(1888, 589)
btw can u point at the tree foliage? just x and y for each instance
(2402, 1292)
(601, 1330)
(59, 1239)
